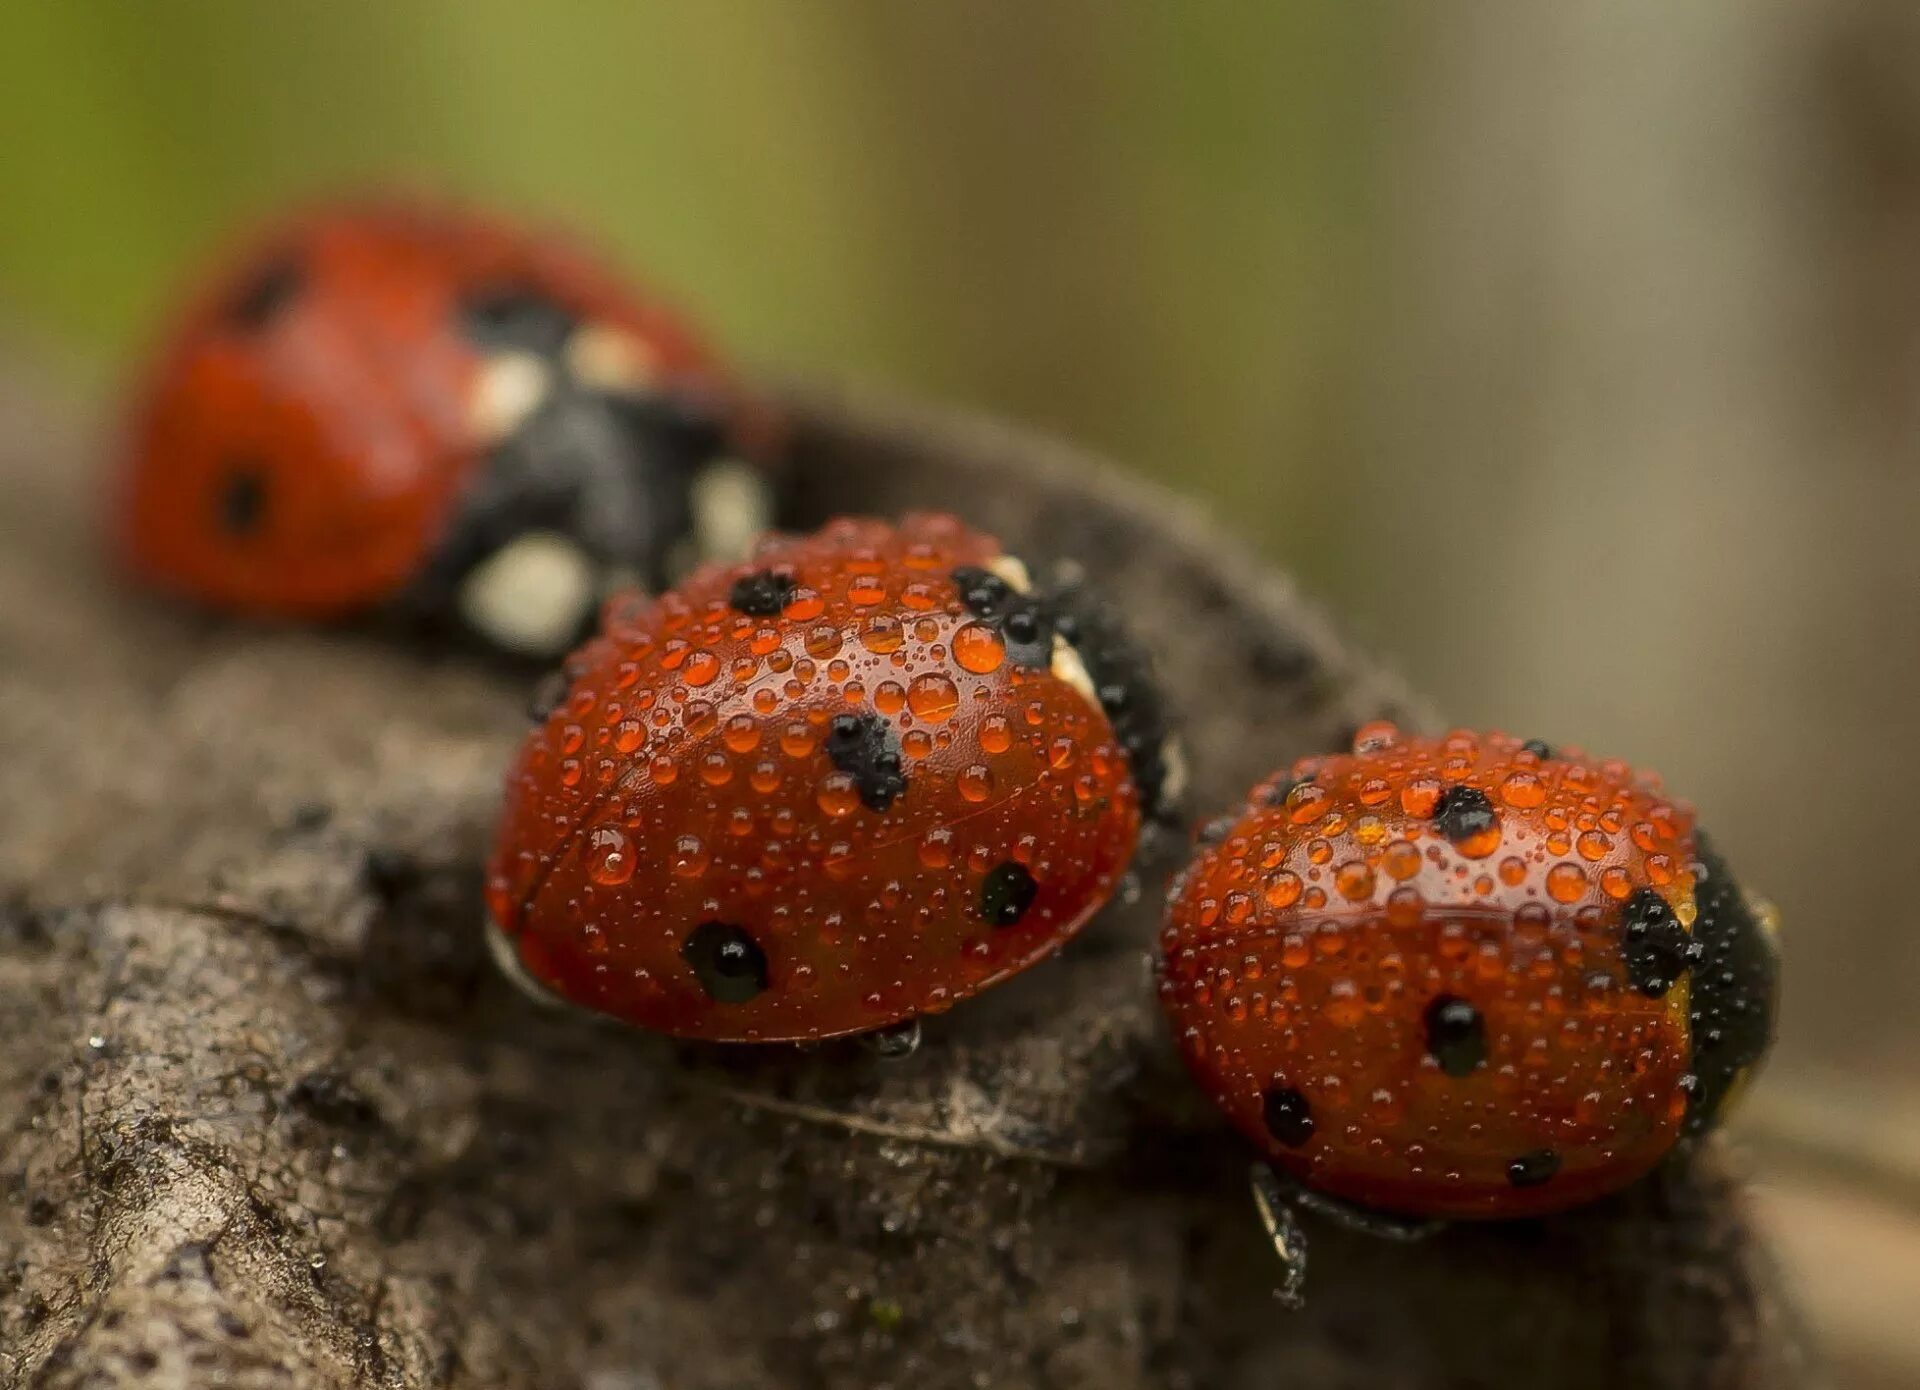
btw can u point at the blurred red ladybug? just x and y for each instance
(1465, 976)
(410, 408)
(849, 782)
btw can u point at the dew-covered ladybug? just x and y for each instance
(398, 406)
(844, 784)
(1464, 977)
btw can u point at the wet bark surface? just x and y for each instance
(268, 1117)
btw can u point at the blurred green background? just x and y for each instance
(1571, 351)
(1109, 219)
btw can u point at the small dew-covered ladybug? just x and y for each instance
(842, 785)
(406, 407)
(1466, 976)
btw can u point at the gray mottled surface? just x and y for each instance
(267, 1118)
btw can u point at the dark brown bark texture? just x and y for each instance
(269, 1118)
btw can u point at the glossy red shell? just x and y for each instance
(1310, 956)
(329, 358)
(686, 779)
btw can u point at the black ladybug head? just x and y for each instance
(587, 476)
(1735, 970)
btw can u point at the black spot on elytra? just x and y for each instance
(728, 962)
(547, 695)
(866, 748)
(241, 504)
(1538, 747)
(1023, 621)
(1464, 812)
(506, 317)
(260, 300)
(1657, 948)
(1288, 1117)
(1006, 893)
(1533, 1169)
(1456, 1035)
(1735, 980)
(761, 594)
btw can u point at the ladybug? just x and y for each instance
(395, 406)
(844, 784)
(1464, 977)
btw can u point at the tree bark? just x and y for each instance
(269, 1118)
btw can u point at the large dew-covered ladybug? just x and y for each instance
(1465, 976)
(842, 785)
(406, 407)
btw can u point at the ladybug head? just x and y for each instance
(396, 407)
(586, 471)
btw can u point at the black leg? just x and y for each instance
(893, 1042)
(1382, 1225)
(1275, 1205)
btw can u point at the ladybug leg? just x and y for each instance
(1276, 1207)
(891, 1043)
(1381, 1225)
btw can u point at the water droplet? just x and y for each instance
(1566, 883)
(1401, 860)
(882, 635)
(1523, 790)
(1283, 890)
(1307, 803)
(936, 848)
(1354, 881)
(690, 857)
(823, 641)
(933, 697)
(996, 734)
(978, 648)
(609, 856)
(1420, 796)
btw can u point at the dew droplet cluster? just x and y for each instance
(822, 761)
(1459, 968)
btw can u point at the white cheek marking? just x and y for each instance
(732, 508)
(507, 957)
(610, 359)
(1068, 666)
(532, 594)
(1173, 772)
(1013, 570)
(510, 387)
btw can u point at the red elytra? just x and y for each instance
(302, 443)
(836, 787)
(1455, 977)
